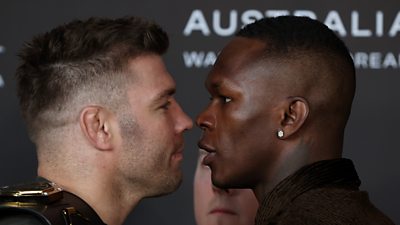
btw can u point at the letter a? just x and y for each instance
(395, 26)
(196, 22)
(334, 22)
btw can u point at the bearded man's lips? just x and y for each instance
(178, 154)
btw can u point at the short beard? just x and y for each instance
(154, 184)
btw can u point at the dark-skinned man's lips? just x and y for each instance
(210, 150)
(206, 147)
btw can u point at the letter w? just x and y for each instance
(193, 58)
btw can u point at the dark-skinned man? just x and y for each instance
(281, 95)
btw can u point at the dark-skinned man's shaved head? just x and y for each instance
(327, 77)
(281, 94)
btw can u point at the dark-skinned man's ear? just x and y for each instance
(295, 114)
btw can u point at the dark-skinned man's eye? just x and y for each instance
(226, 99)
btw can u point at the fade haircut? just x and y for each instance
(300, 38)
(288, 35)
(81, 62)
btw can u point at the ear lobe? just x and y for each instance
(295, 115)
(95, 124)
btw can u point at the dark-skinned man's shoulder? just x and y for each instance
(334, 206)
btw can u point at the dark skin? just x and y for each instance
(252, 97)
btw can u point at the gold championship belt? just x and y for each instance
(38, 193)
(44, 201)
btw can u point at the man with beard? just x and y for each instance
(281, 95)
(99, 106)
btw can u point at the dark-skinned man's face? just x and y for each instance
(239, 124)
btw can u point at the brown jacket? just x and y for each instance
(326, 192)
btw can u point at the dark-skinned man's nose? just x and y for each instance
(206, 120)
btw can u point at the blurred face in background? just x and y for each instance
(214, 206)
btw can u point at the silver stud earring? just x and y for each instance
(280, 134)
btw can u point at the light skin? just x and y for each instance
(252, 98)
(215, 206)
(114, 158)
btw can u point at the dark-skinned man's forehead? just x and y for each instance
(217, 81)
(239, 52)
(254, 71)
